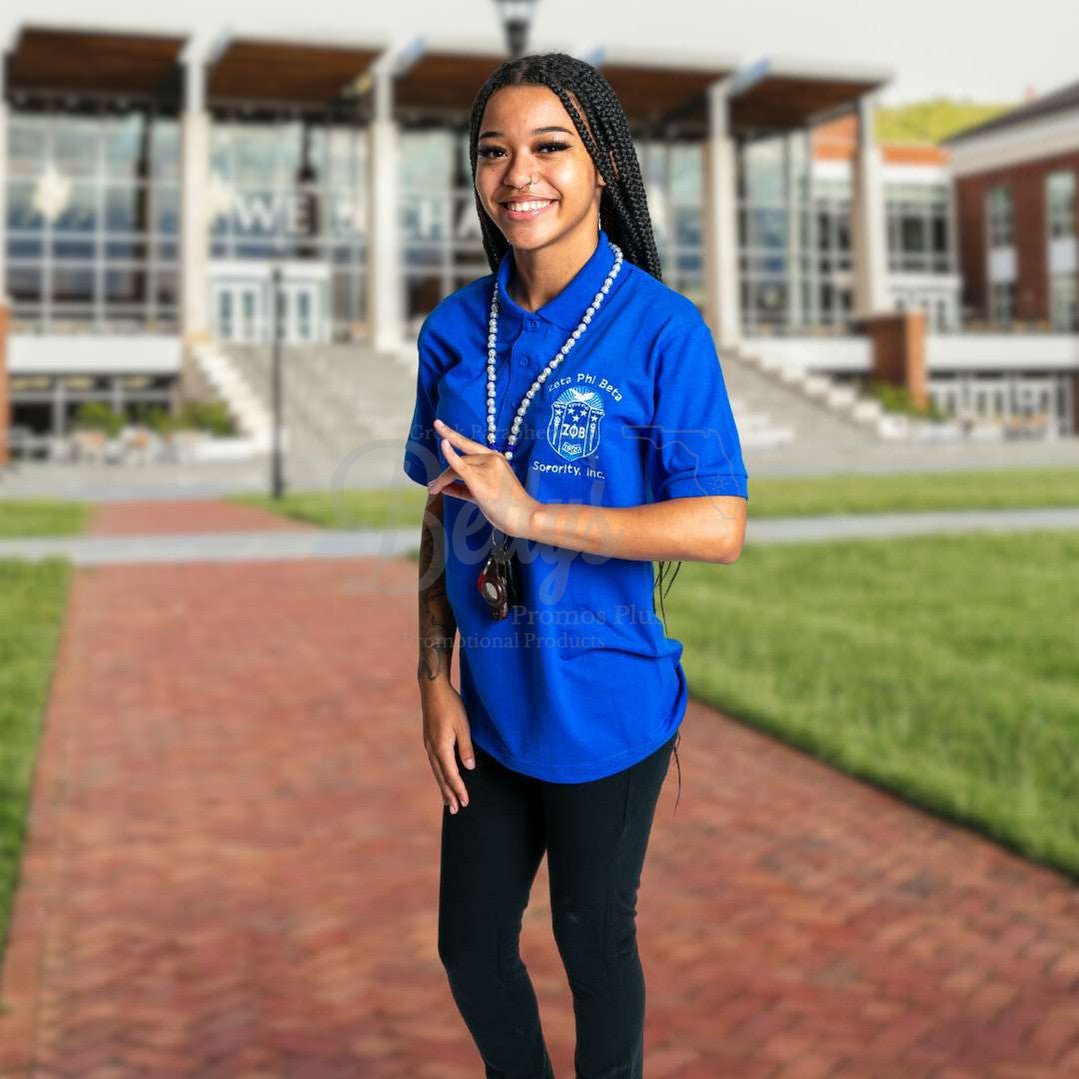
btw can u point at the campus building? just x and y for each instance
(154, 183)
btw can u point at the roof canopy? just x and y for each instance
(439, 79)
(94, 62)
(775, 95)
(285, 71)
(664, 92)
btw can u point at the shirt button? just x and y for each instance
(530, 323)
(524, 361)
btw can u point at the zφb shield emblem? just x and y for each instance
(574, 428)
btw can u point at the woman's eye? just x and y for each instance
(490, 151)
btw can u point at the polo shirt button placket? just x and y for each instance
(529, 327)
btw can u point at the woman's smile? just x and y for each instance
(526, 209)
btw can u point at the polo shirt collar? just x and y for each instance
(567, 308)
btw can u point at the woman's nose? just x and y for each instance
(518, 174)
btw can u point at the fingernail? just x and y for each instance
(453, 809)
(470, 763)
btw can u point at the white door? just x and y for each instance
(302, 316)
(238, 311)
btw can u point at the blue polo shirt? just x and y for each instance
(582, 681)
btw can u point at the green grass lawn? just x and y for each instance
(945, 669)
(33, 596)
(769, 496)
(28, 517)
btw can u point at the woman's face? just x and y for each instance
(526, 134)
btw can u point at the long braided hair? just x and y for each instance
(623, 208)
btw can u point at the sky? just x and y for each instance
(955, 48)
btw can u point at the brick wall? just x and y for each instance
(898, 350)
(1027, 184)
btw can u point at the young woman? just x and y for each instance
(572, 425)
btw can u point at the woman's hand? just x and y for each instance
(445, 725)
(484, 476)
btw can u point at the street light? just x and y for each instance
(277, 478)
(516, 21)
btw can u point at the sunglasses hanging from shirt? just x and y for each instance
(499, 580)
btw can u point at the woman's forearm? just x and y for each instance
(437, 625)
(706, 529)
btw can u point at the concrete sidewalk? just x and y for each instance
(232, 871)
(292, 540)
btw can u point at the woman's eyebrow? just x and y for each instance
(534, 131)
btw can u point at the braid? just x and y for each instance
(624, 212)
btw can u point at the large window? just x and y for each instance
(294, 189)
(794, 238)
(1063, 289)
(1061, 253)
(1060, 204)
(918, 228)
(1001, 301)
(999, 216)
(93, 221)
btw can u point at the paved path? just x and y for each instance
(191, 516)
(232, 871)
(379, 465)
(244, 541)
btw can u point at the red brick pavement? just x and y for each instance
(143, 517)
(232, 870)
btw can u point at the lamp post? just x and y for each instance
(516, 18)
(277, 479)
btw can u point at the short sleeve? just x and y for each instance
(693, 446)
(422, 462)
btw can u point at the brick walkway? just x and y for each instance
(232, 871)
(139, 517)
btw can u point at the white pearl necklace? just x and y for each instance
(492, 338)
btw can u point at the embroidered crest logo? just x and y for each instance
(574, 428)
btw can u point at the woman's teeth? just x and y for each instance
(528, 207)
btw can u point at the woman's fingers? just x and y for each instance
(462, 442)
(447, 759)
(443, 786)
(451, 483)
(449, 778)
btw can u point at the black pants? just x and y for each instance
(595, 835)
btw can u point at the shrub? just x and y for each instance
(97, 416)
(898, 399)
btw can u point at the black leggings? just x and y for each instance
(595, 835)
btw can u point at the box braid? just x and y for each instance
(624, 212)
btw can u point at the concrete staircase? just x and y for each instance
(347, 410)
(248, 408)
(818, 410)
(773, 410)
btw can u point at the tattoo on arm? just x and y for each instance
(438, 626)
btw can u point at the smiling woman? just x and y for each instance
(572, 419)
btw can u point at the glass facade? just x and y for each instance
(918, 228)
(794, 239)
(93, 222)
(292, 192)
